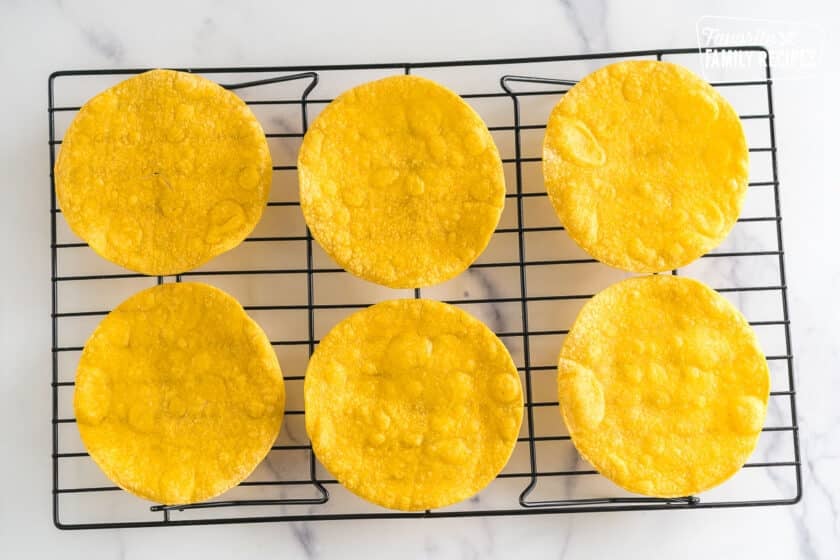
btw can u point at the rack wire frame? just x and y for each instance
(524, 505)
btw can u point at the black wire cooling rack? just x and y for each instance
(527, 286)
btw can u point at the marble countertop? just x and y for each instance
(37, 39)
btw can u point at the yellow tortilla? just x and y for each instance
(178, 395)
(412, 404)
(662, 386)
(163, 171)
(646, 165)
(400, 182)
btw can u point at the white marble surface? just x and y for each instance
(37, 39)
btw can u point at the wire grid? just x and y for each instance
(545, 474)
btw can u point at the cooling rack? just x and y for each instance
(528, 286)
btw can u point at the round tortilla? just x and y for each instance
(646, 165)
(163, 171)
(663, 386)
(412, 404)
(178, 394)
(400, 182)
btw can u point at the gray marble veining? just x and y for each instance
(193, 33)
